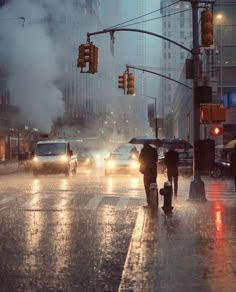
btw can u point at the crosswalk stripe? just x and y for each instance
(7, 200)
(93, 202)
(122, 203)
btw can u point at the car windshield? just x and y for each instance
(119, 156)
(51, 149)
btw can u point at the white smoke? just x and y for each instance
(29, 55)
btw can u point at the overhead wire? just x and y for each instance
(159, 17)
(162, 8)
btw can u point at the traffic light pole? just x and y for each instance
(197, 189)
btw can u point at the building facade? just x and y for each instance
(218, 71)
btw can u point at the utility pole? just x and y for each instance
(197, 189)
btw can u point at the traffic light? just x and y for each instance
(130, 84)
(93, 62)
(122, 81)
(80, 61)
(207, 28)
(216, 131)
(88, 53)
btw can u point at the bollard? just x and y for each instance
(166, 192)
(153, 196)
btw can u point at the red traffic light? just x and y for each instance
(216, 131)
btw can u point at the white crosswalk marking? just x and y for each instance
(7, 200)
(93, 202)
(122, 203)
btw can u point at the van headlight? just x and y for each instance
(64, 158)
(35, 159)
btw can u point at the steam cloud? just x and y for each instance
(29, 56)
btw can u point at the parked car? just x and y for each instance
(85, 160)
(121, 162)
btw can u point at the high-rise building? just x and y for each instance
(176, 25)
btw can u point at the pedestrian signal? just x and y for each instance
(216, 131)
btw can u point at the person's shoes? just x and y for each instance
(146, 206)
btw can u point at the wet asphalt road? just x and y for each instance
(66, 234)
(88, 233)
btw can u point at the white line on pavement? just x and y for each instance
(94, 202)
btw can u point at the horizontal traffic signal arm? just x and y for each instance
(155, 73)
(112, 30)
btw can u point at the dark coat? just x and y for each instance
(233, 163)
(148, 159)
(172, 159)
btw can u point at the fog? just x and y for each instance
(36, 43)
(32, 66)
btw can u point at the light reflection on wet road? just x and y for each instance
(73, 234)
(66, 234)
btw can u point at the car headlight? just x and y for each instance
(87, 160)
(110, 164)
(35, 159)
(64, 158)
(134, 165)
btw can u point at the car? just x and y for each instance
(53, 156)
(121, 162)
(128, 148)
(85, 160)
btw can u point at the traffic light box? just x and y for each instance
(207, 28)
(122, 81)
(88, 54)
(130, 84)
(216, 131)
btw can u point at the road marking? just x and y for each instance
(93, 203)
(7, 200)
(122, 203)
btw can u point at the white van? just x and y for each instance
(54, 157)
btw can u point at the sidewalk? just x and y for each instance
(9, 167)
(193, 250)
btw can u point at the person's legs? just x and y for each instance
(175, 184)
(146, 181)
(235, 182)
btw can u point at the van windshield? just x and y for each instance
(51, 149)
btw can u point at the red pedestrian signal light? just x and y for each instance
(216, 131)
(122, 81)
(207, 28)
(130, 84)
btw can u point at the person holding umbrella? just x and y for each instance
(172, 162)
(148, 167)
(233, 164)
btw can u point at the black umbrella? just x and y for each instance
(175, 143)
(145, 139)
